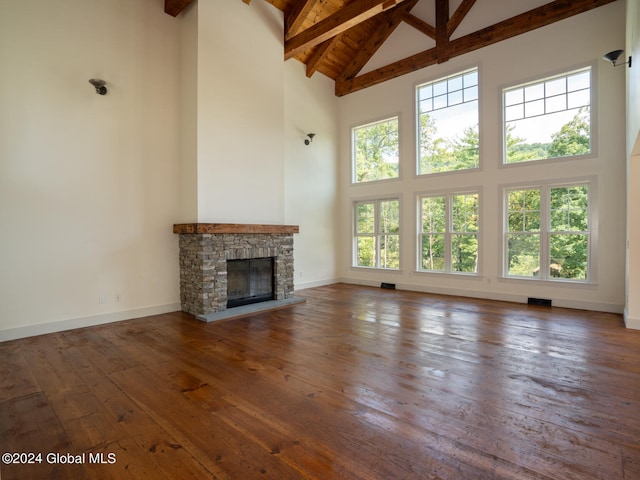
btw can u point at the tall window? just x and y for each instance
(377, 234)
(448, 237)
(375, 151)
(548, 118)
(448, 137)
(547, 232)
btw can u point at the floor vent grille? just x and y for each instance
(539, 301)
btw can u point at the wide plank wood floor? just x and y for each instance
(356, 383)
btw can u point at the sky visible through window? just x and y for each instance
(538, 110)
(452, 102)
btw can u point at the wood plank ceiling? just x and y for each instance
(338, 37)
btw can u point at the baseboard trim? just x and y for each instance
(504, 297)
(318, 283)
(633, 323)
(60, 326)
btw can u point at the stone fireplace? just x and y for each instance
(206, 250)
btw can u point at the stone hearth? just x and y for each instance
(205, 249)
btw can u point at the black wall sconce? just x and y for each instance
(100, 86)
(307, 141)
(614, 56)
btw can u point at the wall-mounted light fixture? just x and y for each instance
(614, 56)
(307, 141)
(100, 86)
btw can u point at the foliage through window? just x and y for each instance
(376, 151)
(547, 232)
(448, 237)
(448, 138)
(549, 118)
(377, 234)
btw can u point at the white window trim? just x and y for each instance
(593, 214)
(376, 234)
(593, 111)
(353, 166)
(448, 194)
(416, 120)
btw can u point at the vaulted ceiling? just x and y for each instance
(340, 37)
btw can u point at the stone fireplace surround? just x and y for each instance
(205, 249)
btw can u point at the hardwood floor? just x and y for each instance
(357, 383)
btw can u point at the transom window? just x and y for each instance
(377, 234)
(376, 151)
(448, 137)
(448, 237)
(547, 234)
(549, 118)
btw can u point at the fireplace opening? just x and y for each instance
(249, 281)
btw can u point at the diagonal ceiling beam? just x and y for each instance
(391, 21)
(525, 22)
(320, 54)
(294, 19)
(350, 15)
(419, 25)
(175, 7)
(459, 15)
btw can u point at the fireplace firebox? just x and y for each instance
(249, 281)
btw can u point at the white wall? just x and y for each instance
(632, 48)
(87, 190)
(201, 123)
(240, 113)
(253, 111)
(188, 156)
(311, 173)
(577, 41)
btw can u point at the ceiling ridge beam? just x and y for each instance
(458, 16)
(350, 15)
(538, 17)
(375, 41)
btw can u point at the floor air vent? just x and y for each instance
(539, 301)
(389, 286)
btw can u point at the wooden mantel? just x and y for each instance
(222, 228)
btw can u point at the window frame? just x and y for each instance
(377, 233)
(354, 160)
(545, 231)
(592, 69)
(418, 113)
(449, 232)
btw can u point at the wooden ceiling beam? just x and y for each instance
(320, 54)
(391, 21)
(458, 16)
(419, 25)
(294, 19)
(350, 15)
(175, 7)
(442, 32)
(538, 17)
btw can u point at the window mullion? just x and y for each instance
(377, 232)
(545, 228)
(447, 233)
